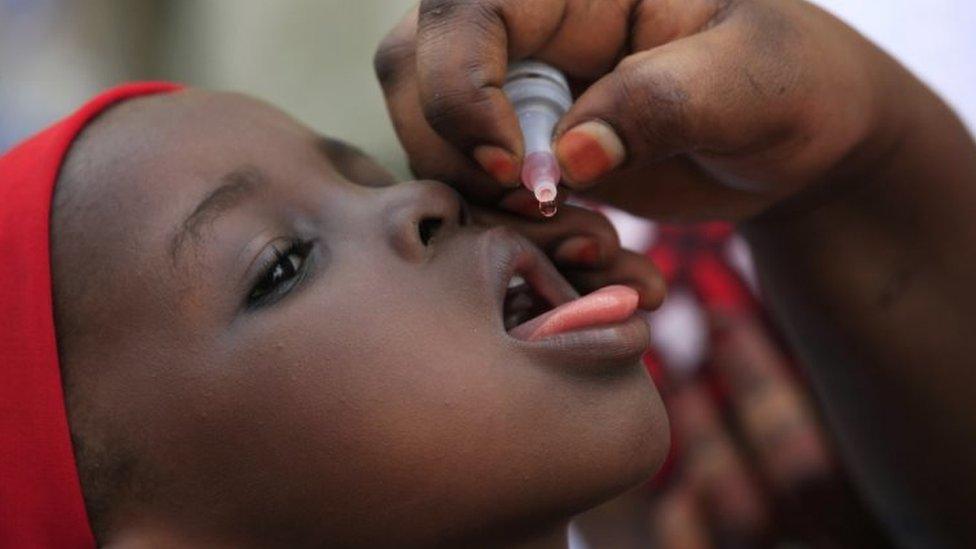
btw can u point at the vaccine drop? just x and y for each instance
(540, 95)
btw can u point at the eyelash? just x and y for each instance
(281, 275)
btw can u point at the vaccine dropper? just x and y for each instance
(540, 95)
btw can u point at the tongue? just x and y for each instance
(608, 305)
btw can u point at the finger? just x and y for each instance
(711, 93)
(677, 521)
(715, 468)
(584, 244)
(521, 201)
(629, 269)
(775, 415)
(657, 22)
(774, 411)
(677, 190)
(396, 56)
(577, 235)
(593, 35)
(464, 48)
(462, 57)
(429, 154)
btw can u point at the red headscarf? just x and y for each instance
(40, 496)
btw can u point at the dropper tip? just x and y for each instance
(545, 192)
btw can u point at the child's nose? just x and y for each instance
(421, 213)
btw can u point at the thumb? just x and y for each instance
(635, 113)
(693, 94)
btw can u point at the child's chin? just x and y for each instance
(643, 455)
(633, 450)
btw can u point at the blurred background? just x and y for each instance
(724, 485)
(313, 57)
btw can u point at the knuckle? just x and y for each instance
(599, 227)
(448, 111)
(720, 11)
(657, 105)
(432, 11)
(392, 58)
(474, 14)
(442, 108)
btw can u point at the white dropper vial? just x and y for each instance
(540, 95)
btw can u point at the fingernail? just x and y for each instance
(578, 250)
(521, 203)
(589, 150)
(499, 163)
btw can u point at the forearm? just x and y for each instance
(876, 285)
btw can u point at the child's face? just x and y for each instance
(298, 350)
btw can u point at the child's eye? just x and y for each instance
(284, 271)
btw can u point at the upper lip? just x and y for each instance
(508, 255)
(597, 349)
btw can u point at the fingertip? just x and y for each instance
(579, 251)
(657, 292)
(500, 164)
(652, 290)
(589, 151)
(522, 203)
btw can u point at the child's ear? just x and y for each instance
(586, 248)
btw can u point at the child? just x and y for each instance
(263, 342)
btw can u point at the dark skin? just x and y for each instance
(852, 181)
(371, 397)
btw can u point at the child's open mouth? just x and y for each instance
(522, 303)
(530, 317)
(538, 303)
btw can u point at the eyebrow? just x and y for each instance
(344, 158)
(338, 153)
(236, 187)
(336, 149)
(239, 185)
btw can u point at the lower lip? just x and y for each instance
(597, 349)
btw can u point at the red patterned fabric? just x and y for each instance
(41, 503)
(695, 257)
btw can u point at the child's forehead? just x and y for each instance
(192, 120)
(173, 144)
(196, 134)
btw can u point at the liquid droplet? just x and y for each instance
(548, 209)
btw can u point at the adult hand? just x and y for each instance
(692, 109)
(586, 249)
